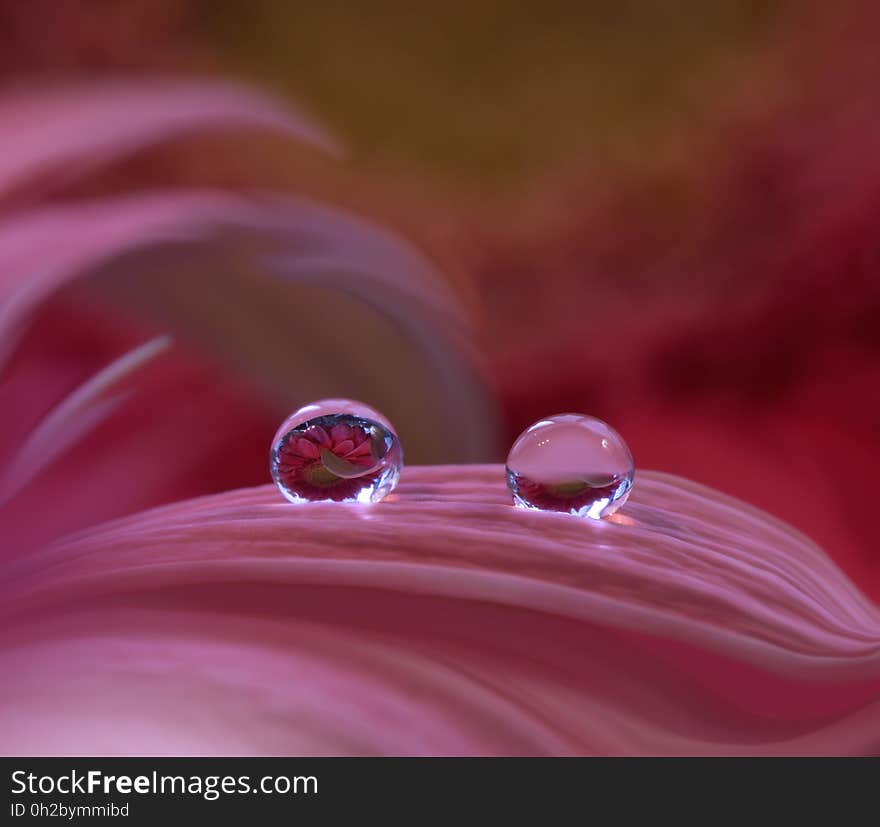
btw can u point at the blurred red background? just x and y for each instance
(670, 221)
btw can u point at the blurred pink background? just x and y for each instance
(668, 220)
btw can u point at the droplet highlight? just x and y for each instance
(336, 450)
(570, 463)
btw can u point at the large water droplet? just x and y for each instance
(571, 463)
(336, 450)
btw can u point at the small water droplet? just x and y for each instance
(571, 463)
(336, 450)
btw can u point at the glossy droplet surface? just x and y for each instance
(336, 450)
(571, 463)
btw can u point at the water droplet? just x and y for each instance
(570, 463)
(336, 450)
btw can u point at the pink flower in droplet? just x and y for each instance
(301, 467)
(568, 497)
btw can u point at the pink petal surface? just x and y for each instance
(441, 621)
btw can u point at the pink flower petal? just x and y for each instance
(307, 448)
(69, 421)
(363, 449)
(341, 449)
(340, 433)
(444, 621)
(186, 238)
(74, 129)
(318, 435)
